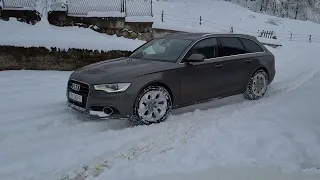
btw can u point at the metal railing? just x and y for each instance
(105, 8)
(138, 7)
(19, 4)
(83, 7)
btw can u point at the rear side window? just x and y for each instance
(231, 46)
(251, 46)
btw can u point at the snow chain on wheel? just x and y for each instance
(257, 86)
(153, 105)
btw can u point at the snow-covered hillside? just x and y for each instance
(220, 16)
(294, 9)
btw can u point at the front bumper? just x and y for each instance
(95, 101)
(94, 114)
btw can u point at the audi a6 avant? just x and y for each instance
(170, 72)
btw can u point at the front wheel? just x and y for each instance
(257, 86)
(152, 105)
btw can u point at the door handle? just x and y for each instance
(218, 65)
(248, 61)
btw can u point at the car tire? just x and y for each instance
(257, 86)
(153, 105)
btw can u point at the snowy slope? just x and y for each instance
(220, 16)
(21, 34)
(299, 9)
(41, 139)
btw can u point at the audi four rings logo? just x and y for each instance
(75, 87)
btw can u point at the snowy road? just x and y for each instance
(41, 139)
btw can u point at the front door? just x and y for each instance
(201, 80)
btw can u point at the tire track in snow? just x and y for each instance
(163, 137)
(176, 135)
(293, 83)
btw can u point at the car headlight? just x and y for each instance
(112, 88)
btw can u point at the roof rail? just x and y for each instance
(208, 34)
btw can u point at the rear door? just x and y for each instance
(236, 67)
(254, 52)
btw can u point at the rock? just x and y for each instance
(134, 35)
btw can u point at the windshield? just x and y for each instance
(163, 49)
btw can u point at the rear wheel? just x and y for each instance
(257, 86)
(152, 105)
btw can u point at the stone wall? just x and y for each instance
(40, 58)
(111, 25)
(30, 17)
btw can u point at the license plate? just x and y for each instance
(76, 107)
(75, 97)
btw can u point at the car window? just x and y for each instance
(162, 49)
(207, 47)
(231, 46)
(251, 46)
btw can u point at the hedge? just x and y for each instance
(41, 58)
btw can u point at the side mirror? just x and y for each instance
(195, 58)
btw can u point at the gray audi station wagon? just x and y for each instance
(171, 72)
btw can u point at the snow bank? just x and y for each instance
(14, 33)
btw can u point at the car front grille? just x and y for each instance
(83, 91)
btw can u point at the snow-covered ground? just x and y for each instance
(16, 33)
(277, 137)
(239, 173)
(41, 139)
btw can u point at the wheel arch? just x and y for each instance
(260, 68)
(157, 83)
(252, 73)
